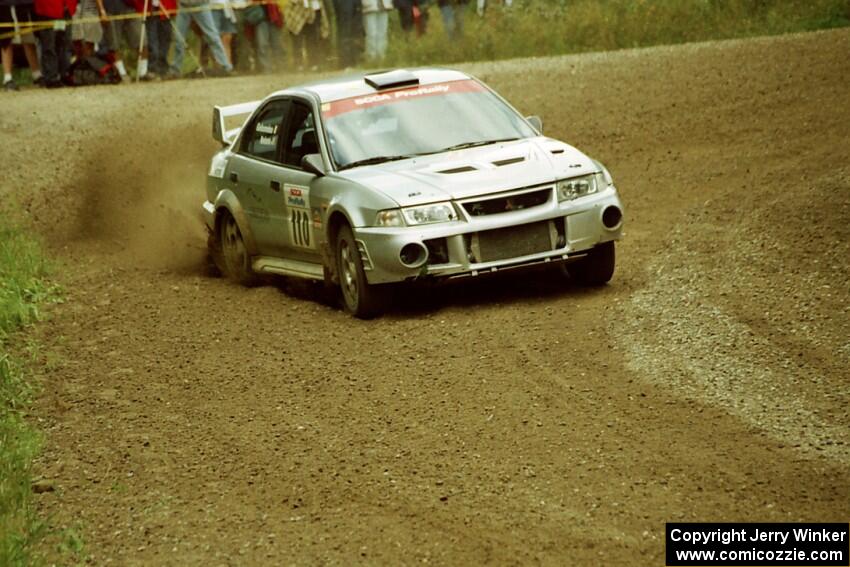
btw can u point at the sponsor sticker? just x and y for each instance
(329, 110)
(300, 217)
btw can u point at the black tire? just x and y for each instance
(235, 260)
(215, 260)
(360, 299)
(595, 269)
(327, 291)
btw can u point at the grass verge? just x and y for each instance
(553, 27)
(23, 288)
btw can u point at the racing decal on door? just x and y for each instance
(300, 219)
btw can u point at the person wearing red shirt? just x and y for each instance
(55, 40)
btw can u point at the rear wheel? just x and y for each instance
(235, 260)
(595, 269)
(358, 297)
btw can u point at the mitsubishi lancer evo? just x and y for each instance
(397, 176)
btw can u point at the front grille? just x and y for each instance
(438, 251)
(511, 242)
(507, 204)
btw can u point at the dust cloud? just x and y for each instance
(140, 195)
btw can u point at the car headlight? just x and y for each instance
(570, 189)
(390, 217)
(429, 214)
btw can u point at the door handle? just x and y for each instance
(234, 177)
(275, 185)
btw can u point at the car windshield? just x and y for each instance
(418, 121)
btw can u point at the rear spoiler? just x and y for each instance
(222, 113)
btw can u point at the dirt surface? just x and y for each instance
(510, 421)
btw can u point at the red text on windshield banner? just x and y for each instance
(331, 109)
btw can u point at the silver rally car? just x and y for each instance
(397, 176)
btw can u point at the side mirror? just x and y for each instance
(313, 163)
(536, 123)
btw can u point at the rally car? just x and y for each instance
(401, 175)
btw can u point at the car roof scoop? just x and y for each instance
(391, 79)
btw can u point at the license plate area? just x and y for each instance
(513, 241)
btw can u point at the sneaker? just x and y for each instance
(10, 85)
(53, 84)
(39, 82)
(219, 72)
(149, 76)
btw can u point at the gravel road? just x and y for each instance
(508, 421)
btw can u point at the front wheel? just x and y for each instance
(358, 297)
(235, 260)
(595, 269)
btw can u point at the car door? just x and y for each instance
(301, 212)
(255, 174)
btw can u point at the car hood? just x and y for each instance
(472, 172)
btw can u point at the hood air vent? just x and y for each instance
(462, 169)
(509, 161)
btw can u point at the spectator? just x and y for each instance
(128, 29)
(86, 31)
(12, 12)
(412, 14)
(225, 23)
(198, 11)
(452, 13)
(307, 20)
(54, 41)
(158, 30)
(482, 4)
(267, 37)
(347, 30)
(375, 20)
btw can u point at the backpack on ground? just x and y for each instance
(94, 71)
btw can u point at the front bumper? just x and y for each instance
(457, 249)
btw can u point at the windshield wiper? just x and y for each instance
(374, 160)
(474, 144)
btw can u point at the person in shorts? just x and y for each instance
(16, 14)
(86, 28)
(129, 30)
